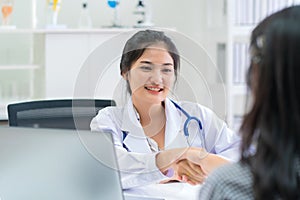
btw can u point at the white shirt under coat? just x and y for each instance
(136, 152)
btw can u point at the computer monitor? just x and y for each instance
(52, 164)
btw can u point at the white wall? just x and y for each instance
(189, 17)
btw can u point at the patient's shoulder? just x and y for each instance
(231, 181)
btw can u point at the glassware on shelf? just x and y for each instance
(53, 11)
(85, 20)
(114, 4)
(143, 9)
(6, 9)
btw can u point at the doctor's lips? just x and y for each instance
(154, 88)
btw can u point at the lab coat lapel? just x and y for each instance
(135, 140)
(174, 136)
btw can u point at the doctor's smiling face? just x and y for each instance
(149, 64)
(151, 77)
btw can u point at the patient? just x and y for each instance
(272, 126)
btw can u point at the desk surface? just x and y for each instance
(169, 191)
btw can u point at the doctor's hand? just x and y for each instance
(189, 172)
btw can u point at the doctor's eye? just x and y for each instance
(146, 68)
(167, 70)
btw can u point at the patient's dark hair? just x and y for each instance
(273, 123)
(140, 41)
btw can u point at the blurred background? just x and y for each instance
(46, 44)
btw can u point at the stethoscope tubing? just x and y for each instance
(187, 121)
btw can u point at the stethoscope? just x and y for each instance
(188, 120)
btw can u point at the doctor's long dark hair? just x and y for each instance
(273, 123)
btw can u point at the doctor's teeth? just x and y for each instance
(154, 89)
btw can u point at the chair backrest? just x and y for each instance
(58, 113)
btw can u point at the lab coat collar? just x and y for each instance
(135, 140)
(174, 123)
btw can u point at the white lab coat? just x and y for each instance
(136, 159)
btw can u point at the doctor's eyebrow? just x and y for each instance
(150, 63)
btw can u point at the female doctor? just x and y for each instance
(152, 141)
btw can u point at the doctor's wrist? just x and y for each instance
(165, 159)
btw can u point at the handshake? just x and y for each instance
(190, 165)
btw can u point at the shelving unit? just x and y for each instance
(19, 67)
(228, 37)
(20, 63)
(243, 16)
(49, 64)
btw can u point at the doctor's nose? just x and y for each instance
(156, 77)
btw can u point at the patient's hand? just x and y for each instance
(207, 161)
(196, 165)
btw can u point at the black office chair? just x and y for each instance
(62, 113)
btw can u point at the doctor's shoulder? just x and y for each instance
(108, 116)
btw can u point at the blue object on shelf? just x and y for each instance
(112, 4)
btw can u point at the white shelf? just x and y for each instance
(65, 30)
(17, 31)
(85, 31)
(17, 67)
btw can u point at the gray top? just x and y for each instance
(232, 181)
